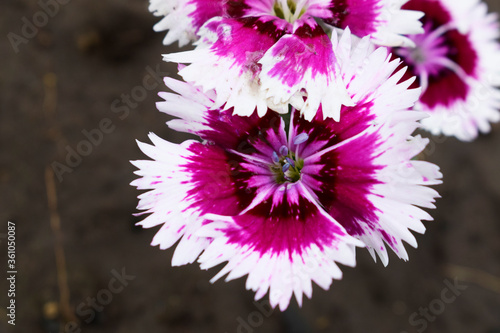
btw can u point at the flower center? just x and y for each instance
(431, 54)
(286, 164)
(289, 10)
(430, 50)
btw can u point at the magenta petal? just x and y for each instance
(342, 178)
(326, 132)
(205, 10)
(214, 187)
(246, 40)
(245, 8)
(445, 90)
(360, 16)
(238, 133)
(308, 48)
(289, 223)
(347, 180)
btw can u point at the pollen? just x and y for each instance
(286, 165)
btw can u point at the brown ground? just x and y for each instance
(66, 79)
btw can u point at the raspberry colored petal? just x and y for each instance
(249, 8)
(305, 62)
(184, 181)
(383, 20)
(227, 61)
(282, 244)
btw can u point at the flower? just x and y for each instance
(285, 202)
(270, 53)
(456, 62)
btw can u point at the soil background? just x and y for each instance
(74, 75)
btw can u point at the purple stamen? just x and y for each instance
(301, 138)
(290, 161)
(283, 150)
(286, 167)
(275, 157)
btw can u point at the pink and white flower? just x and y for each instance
(260, 63)
(457, 64)
(271, 53)
(285, 203)
(383, 20)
